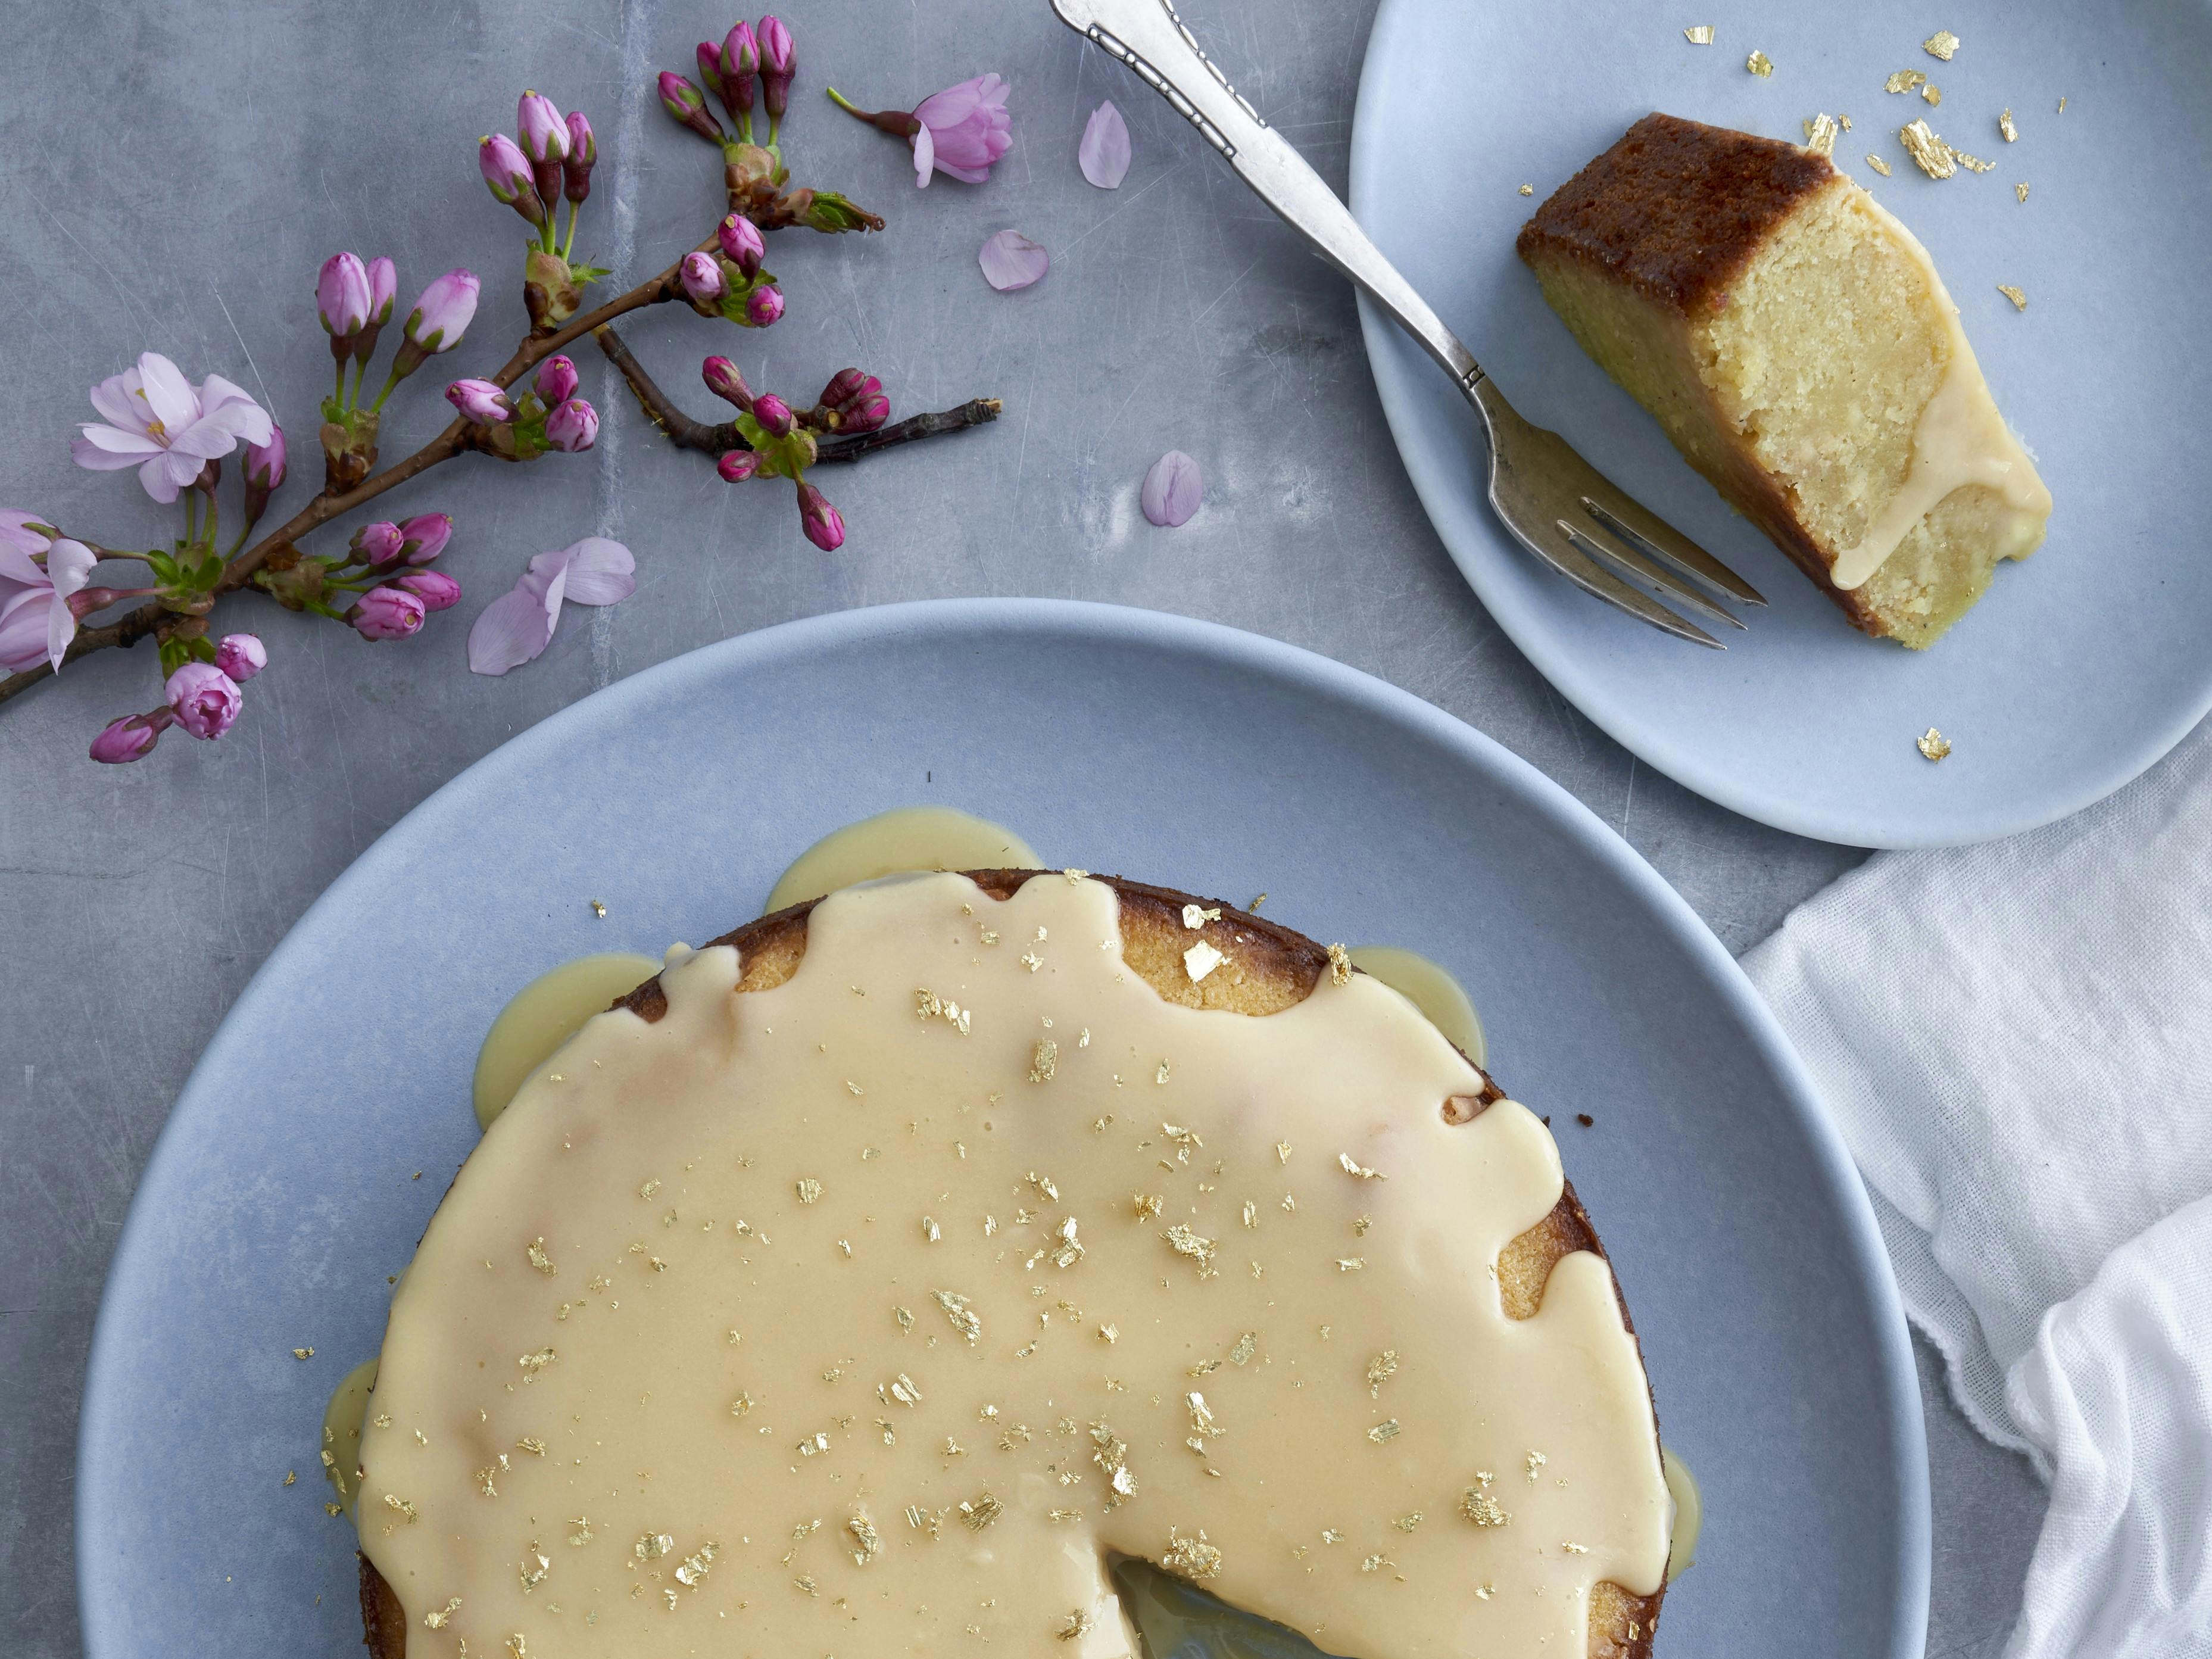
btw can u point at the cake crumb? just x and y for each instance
(1878, 164)
(2019, 300)
(1932, 744)
(1942, 44)
(1699, 34)
(1585, 1118)
(1759, 63)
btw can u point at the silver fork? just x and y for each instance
(1557, 505)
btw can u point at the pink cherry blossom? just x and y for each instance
(514, 628)
(387, 613)
(1171, 490)
(1009, 260)
(557, 380)
(572, 426)
(423, 536)
(967, 128)
(36, 621)
(736, 465)
(823, 525)
(437, 590)
(242, 656)
(130, 738)
(204, 698)
(166, 426)
(1103, 155)
(342, 296)
(763, 306)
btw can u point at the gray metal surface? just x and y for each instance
(176, 176)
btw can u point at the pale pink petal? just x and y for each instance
(22, 632)
(131, 446)
(600, 572)
(240, 415)
(168, 392)
(925, 158)
(952, 106)
(70, 565)
(1009, 260)
(517, 625)
(1172, 489)
(114, 397)
(206, 438)
(965, 175)
(1103, 155)
(153, 478)
(15, 565)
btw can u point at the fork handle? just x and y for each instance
(1148, 37)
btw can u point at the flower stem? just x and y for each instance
(898, 123)
(569, 246)
(339, 395)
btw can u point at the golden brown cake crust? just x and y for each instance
(1270, 967)
(1676, 207)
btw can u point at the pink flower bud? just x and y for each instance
(557, 380)
(583, 157)
(736, 465)
(377, 544)
(204, 698)
(444, 312)
(741, 240)
(763, 305)
(383, 283)
(545, 132)
(507, 171)
(688, 105)
(740, 63)
(779, 63)
(342, 295)
(130, 737)
(857, 399)
(265, 462)
(480, 401)
(723, 380)
(572, 426)
(437, 590)
(823, 525)
(387, 613)
(242, 656)
(423, 536)
(773, 414)
(708, 56)
(703, 279)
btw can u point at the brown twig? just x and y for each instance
(151, 617)
(716, 439)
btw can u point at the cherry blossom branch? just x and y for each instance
(721, 438)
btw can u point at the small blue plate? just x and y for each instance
(2085, 663)
(284, 1190)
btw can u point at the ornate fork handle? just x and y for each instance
(1155, 44)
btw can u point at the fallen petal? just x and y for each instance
(1011, 260)
(517, 625)
(600, 572)
(1172, 489)
(1103, 155)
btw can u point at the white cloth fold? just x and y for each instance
(2016, 1042)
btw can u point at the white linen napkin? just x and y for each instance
(2016, 1041)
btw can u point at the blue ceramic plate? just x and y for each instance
(2083, 665)
(283, 1191)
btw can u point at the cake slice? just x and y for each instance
(1794, 341)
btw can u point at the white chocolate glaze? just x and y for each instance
(905, 838)
(771, 1271)
(341, 1422)
(1433, 990)
(1689, 1514)
(1961, 440)
(544, 1014)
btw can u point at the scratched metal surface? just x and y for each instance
(175, 175)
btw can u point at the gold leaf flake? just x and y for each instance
(1380, 1369)
(1821, 134)
(1844, 122)
(533, 1568)
(979, 1512)
(402, 1505)
(1161, 1076)
(931, 1232)
(1109, 1334)
(1201, 1415)
(1699, 34)
(539, 1260)
(1077, 1625)
(652, 1545)
(1974, 163)
(809, 1190)
(291, 1475)
(1251, 1214)
(436, 1617)
(1384, 1431)
(303, 1353)
(1904, 81)
(532, 1444)
(1282, 1150)
(1373, 1564)
(1528, 190)
(1480, 1507)
(1536, 1460)
(1344, 1162)
(865, 1535)
(2062, 106)
(927, 1005)
(1350, 1264)
(2005, 127)
(1931, 95)
(1934, 158)
(1258, 899)
(1759, 65)
(1195, 916)
(1200, 960)
(1339, 965)
(519, 1645)
(1331, 1535)
(1247, 1345)
(532, 1364)
(1032, 961)
(1573, 1548)
(1942, 44)
(1191, 1558)
(1187, 1243)
(2020, 191)
(741, 1405)
(2019, 303)
(1408, 1523)
(956, 1309)
(1360, 1224)
(1145, 1203)
(1879, 165)
(1044, 1060)
(1932, 744)
(648, 1189)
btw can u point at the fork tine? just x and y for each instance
(1643, 529)
(1628, 562)
(1569, 560)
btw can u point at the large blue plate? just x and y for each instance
(2083, 665)
(282, 1190)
